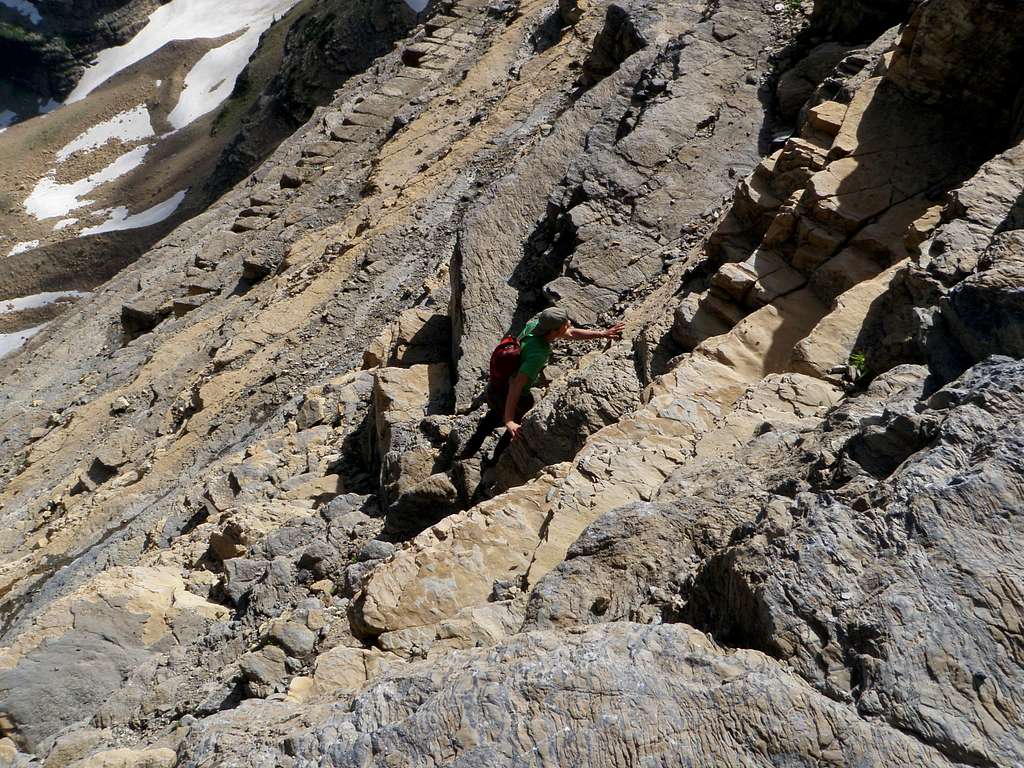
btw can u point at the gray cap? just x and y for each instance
(551, 319)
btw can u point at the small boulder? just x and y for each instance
(296, 639)
(257, 266)
(375, 549)
(263, 671)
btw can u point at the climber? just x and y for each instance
(515, 366)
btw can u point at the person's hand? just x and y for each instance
(615, 332)
(513, 429)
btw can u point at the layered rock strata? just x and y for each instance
(773, 524)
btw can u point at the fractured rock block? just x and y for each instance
(437, 22)
(986, 311)
(263, 671)
(694, 322)
(343, 670)
(827, 116)
(249, 223)
(775, 284)
(143, 316)
(296, 639)
(418, 336)
(815, 245)
(755, 199)
(197, 286)
(734, 280)
(843, 271)
(832, 341)
(413, 55)
(848, 193)
(186, 304)
(293, 178)
(241, 575)
(322, 149)
(800, 153)
(257, 266)
(408, 394)
(423, 504)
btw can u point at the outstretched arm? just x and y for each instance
(580, 334)
(515, 390)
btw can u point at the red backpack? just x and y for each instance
(504, 361)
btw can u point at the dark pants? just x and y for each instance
(494, 418)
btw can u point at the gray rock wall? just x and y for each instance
(775, 524)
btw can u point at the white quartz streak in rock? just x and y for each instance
(119, 218)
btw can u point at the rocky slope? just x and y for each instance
(774, 525)
(181, 101)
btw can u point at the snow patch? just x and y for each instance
(22, 247)
(64, 224)
(50, 199)
(417, 5)
(126, 126)
(37, 300)
(25, 8)
(213, 77)
(7, 117)
(10, 342)
(183, 20)
(119, 218)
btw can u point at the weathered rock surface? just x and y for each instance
(774, 524)
(621, 694)
(884, 594)
(628, 563)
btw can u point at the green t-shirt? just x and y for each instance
(533, 355)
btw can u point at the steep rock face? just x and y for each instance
(97, 638)
(667, 133)
(626, 564)
(988, 85)
(971, 254)
(858, 20)
(235, 502)
(883, 591)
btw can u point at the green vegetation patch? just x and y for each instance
(859, 363)
(18, 34)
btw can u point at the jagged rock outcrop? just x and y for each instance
(881, 591)
(774, 523)
(676, 114)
